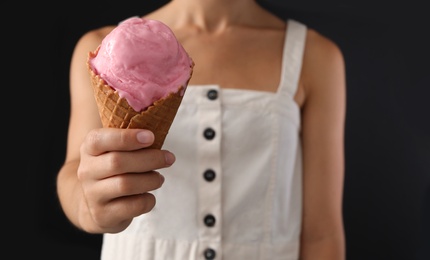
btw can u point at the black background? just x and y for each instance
(387, 181)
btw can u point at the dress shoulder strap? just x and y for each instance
(294, 45)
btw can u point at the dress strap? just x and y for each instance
(294, 44)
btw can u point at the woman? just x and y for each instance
(267, 184)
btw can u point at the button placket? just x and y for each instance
(209, 166)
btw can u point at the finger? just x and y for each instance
(102, 140)
(117, 214)
(128, 184)
(142, 160)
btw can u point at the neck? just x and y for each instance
(214, 15)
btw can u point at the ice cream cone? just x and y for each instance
(116, 112)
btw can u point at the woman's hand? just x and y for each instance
(116, 174)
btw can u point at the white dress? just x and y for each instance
(235, 190)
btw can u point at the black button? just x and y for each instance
(209, 175)
(212, 94)
(209, 220)
(210, 253)
(209, 133)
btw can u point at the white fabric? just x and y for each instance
(256, 195)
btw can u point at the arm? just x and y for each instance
(106, 177)
(323, 116)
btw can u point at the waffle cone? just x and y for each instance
(116, 112)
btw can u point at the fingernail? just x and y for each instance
(145, 137)
(169, 158)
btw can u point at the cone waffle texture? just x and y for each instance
(116, 112)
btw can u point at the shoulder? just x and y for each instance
(99, 33)
(322, 78)
(91, 39)
(87, 43)
(323, 60)
(321, 50)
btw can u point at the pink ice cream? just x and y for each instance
(143, 61)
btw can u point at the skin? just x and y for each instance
(108, 176)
